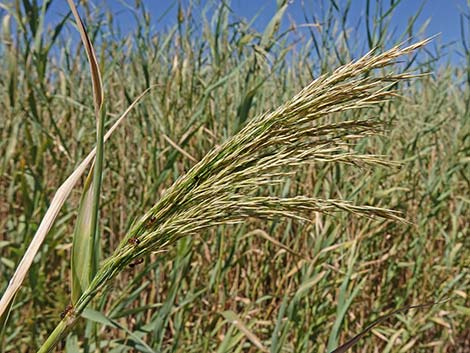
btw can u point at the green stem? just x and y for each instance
(64, 326)
(59, 332)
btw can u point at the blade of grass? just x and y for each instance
(344, 347)
(94, 67)
(100, 318)
(233, 318)
(93, 203)
(345, 298)
(81, 252)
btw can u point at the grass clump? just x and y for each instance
(261, 267)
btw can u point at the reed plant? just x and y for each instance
(226, 186)
(290, 168)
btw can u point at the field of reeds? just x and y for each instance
(238, 207)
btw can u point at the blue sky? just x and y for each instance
(443, 15)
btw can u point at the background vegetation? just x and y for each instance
(287, 285)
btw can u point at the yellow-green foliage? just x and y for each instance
(231, 202)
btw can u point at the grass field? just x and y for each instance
(260, 281)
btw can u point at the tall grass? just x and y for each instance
(275, 284)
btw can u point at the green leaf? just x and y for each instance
(102, 319)
(272, 28)
(233, 318)
(343, 348)
(82, 243)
